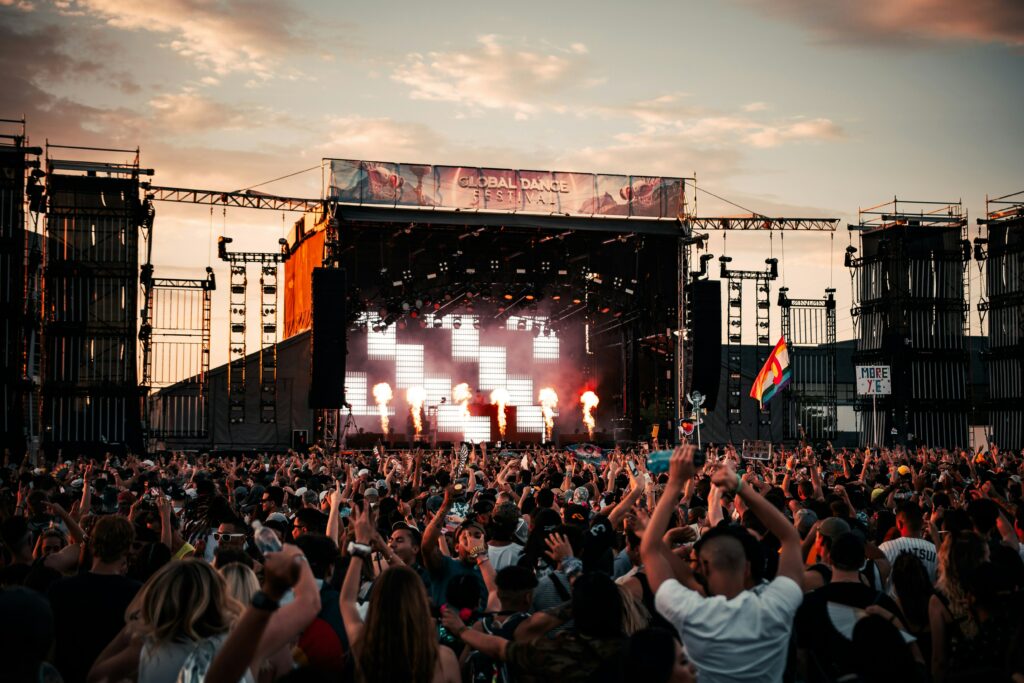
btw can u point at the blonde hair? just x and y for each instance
(635, 616)
(183, 600)
(241, 581)
(958, 557)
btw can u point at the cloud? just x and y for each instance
(495, 76)
(23, 5)
(383, 139)
(902, 23)
(222, 36)
(190, 111)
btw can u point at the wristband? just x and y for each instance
(262, 601)
(572, 566)
(739, 484)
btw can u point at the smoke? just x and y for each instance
(415, 396)
(500, 398)
(461, 393)
(548, 400)
(589, 400)
(382, 394)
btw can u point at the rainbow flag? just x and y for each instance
(775, 374)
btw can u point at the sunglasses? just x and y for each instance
(228, 537)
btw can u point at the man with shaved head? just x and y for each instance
(733, 627)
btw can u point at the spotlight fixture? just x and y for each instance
(521, 324)
(457, 322)
(476, 323)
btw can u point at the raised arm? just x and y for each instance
(239, 651)
(791, 563)
(432, 534)
(654, 552)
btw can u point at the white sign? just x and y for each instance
(757, 450)
(874, 380)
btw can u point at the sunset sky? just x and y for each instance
(789, 107)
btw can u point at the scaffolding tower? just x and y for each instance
(237, 324)
(91, 396)
(175, 336)
(809, 328)
(19, 287)
(734, 337)
(911, 314)
(1002, 253)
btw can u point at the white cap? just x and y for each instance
(299, 491)
(148, 463)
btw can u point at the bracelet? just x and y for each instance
(739, 484)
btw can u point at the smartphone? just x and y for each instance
(632, 467)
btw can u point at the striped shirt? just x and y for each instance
(919, 547)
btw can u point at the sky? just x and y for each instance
(786, 108)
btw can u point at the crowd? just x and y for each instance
(813, 565)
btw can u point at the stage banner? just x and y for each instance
(505, 190)
(298, 297)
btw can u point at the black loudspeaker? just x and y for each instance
(327, 355)
(704, 300)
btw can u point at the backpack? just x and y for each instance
(483, 669)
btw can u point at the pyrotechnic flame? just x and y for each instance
(548, 400)
(382, 395)
(461, 393)
(589, 400)
(415, 396)
(499, 397)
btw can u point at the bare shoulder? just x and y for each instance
(447, 667)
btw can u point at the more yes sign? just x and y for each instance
(874, 380)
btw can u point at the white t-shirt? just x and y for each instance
(923, 549)
(504, 556)
(743, 639)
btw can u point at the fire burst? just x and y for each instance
(548, 400)
(461, 393)
(415, 396)
(499, 397)
(589, 400)
(382, 395)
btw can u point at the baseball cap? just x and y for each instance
(833, 527)
(417, 537)
(576, 515)
(581, 494)
(903, 470)
(804, 519)
(310, 497)
(876, 494)
(299, 491)
(323, 494)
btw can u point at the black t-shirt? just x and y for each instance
(829, 650)
(598, 545)
(88, 612)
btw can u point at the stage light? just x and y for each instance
(605, 309)
(457, 322)
(556, 297)
(547, 331)
(437, 322)
(508, 296)
(576, 302)
(476, 323)
(521, 325)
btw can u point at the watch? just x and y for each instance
(261, 600)
(360, 550)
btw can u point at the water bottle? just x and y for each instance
(265, 538)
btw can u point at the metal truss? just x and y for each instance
(812, 347)
(244, 200)
(268, 343)
(763, 223)
(734, 337)
(236, 345)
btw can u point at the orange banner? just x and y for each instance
(298, 278)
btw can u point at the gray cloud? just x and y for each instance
(902, 23)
